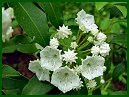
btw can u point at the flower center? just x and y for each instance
(66, 74)
(88, 64)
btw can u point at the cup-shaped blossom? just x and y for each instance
(86, 21)
(41, 73)
(92, 67)
(51, 58)
(65, 79)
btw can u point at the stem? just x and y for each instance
(82, 41)
(82, 46)
(86, 51)
(62, 44)
(108, 81)
(79, 37)
(108, 84)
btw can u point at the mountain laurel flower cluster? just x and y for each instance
(69, 66)
(7, 16)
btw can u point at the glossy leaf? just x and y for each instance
(54, 12)
(33, 21)
(36, 87)
(8, 71)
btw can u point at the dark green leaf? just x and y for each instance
(123, 9)
(33, 21)
(120, 39)
(24, 48)
(36, 87)
(120, 68)
(8, 71)
(54, 12)
(108, 65)
(9, 83)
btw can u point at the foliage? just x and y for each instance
(39, 21)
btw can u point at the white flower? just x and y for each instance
(69, 56)
(41, 73)
(51, 58)
(95, 50)
(86, 21)
(92, 67)
(73, 45)
(101, 37)
(91, 27)
(104, 49)
(65, 79)
(90, 39)
(82, 16)
(6, 23)
(63, 32)
(91, 84)
(54, 43)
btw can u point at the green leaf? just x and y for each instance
(120, 39)
(9, 83)
(19, 39)
(118, 93)
(33, 21)
(100, 5)
(8, 71)
(116, 28)
(36, 87)
(11, 92)
(24, 48)
(120, 68)
(105, 24)
(123, 10)
(20, 43)
(54, 12)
